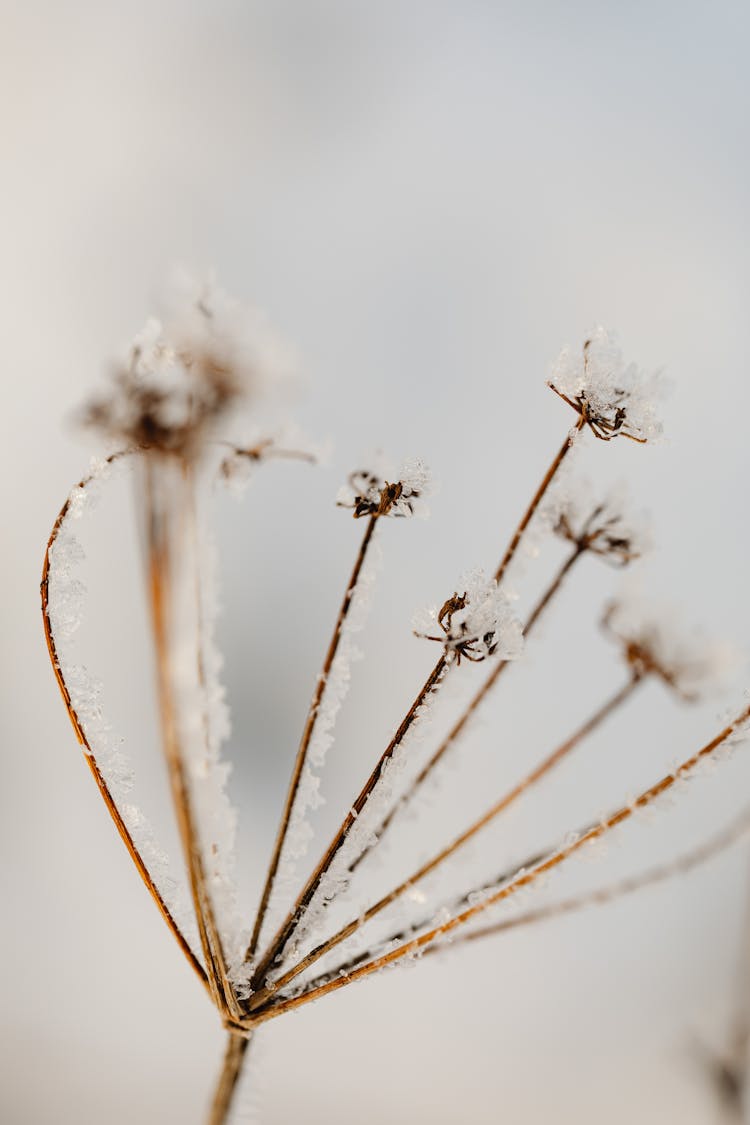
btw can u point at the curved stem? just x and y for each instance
(473, 705)
(90, 757)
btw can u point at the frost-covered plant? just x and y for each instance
(167, 403)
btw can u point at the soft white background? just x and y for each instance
(429, 199)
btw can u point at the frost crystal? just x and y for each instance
(381, 491)
(656, 642)
(475, 623)
(613, 399)
(184, 373)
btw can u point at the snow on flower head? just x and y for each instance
(656, 642)
(475, 622)
(381, 491)
(183, 373)
(613, 399)
(605, 528)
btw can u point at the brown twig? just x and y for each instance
(544, 767)
(307, 734)
(535, 502)
(89, 752)
(602, 895)
(229, 1076)
(523, 879)
(306, 895)
(476, 700)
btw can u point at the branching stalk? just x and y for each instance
(306, 895)
(89, 752)
(523, 879)
(544, 767)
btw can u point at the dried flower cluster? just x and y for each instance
(181, 381)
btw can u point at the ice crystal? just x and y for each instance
(379, 490)
(476, 622)
(613, 398)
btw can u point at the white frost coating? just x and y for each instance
(209, 774)
(66, 603)
(365, 486)
(477, 622)
(691, 663)
(300, 831)
(361, 835)
(614, 392)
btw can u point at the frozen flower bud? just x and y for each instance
(183, 374)
(605, 528)
(655, 642)
(475, 623)
(613, 399)
(378, 491)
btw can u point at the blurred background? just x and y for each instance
(429, 199)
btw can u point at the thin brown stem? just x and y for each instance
(523, 879)
(229, 1076)
(169, 507)
(306, 895)
(473, 705)
(544, 767)
(535, 502)
(603, 895)
(307, 734)
(89, 752)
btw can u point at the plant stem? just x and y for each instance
(544, 767)
(229, 1076)
(89, 752)
(473, 704)
(679, 866)
(170, 548)
(307, 893)
(307, 734)
(523, 879)
(535, 502)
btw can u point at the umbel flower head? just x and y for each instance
(379, 491)
(604, 528)
(184, 373)
(656, 643)
(474, 623)
(613, 399)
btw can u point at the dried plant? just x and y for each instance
(166, 405)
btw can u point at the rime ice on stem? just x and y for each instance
(605, 531)
(640, 667)
(371, 496)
